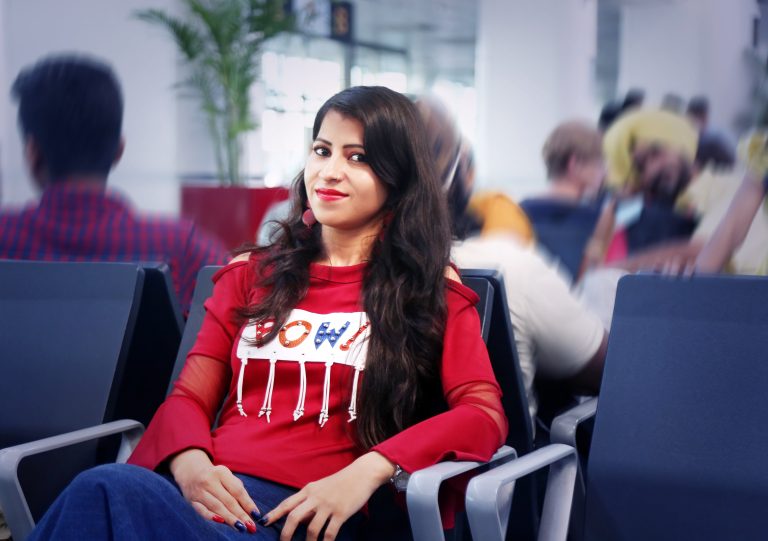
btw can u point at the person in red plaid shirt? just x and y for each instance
(70, 115)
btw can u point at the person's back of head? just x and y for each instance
(698, 111)
(714, 150)
(672, 102)
(70, 115)
(573, 155)
(608, 115)
(453, 161)
(633, 99)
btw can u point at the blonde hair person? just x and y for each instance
(649, 150)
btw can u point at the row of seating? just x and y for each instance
(676, 450)
(82, 344)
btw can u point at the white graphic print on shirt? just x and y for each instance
(307, 337)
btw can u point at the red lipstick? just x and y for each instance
(328, 194)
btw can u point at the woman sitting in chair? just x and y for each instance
(346, 354)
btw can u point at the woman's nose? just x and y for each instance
(333, 168)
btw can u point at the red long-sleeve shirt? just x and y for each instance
(325, 338)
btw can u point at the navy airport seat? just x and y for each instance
(678, 450)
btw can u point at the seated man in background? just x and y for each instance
(714, 149)
(743, 221)
(565, 216)
(70, 116)
(556, 337)
(649, 154)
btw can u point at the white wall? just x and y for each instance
(534, 69)
(689, 47)
(145, 61)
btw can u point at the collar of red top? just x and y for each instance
(355, 273)
(65, 197)
(340, 275)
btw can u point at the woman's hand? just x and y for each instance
(214, 492)
(333, 499)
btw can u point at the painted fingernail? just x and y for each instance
(250, 526)
(217, 518)
(256, 515)
(240, 526)
(263, 520)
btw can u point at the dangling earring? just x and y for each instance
(308, 218)
(388, 217)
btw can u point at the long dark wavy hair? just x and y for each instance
(403, 286)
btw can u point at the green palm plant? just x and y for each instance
(221, 42)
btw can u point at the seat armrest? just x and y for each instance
(565, 425)
(424, 485)
(12, 500)
(489, 495)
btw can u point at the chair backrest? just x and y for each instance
(679, 446)
(506, 367)
(485, 291)
(65, 331)
(153, 349)
(203, 290)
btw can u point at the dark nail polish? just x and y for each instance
(263, 520)
(250, 526)
(256, 515)
(240, 526)
(217, 518)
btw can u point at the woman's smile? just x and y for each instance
(329, 194)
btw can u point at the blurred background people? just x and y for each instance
(564, 217)
(674, 103)
(70, 116)
(714, 148)
(743, 221)
(612, 111)
(556, 337)
(649, 155)
(633, 99)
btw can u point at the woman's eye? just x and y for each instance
(358, 158)
(321, 151)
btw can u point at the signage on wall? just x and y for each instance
(342, 21)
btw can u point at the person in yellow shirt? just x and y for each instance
(739, 219)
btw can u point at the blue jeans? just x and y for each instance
(121, 502)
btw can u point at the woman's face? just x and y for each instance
(343, 191)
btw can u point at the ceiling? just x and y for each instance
(438, 35)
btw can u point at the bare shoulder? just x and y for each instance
(242, 257)
(451, 273)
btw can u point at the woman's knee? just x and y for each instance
(112, 476)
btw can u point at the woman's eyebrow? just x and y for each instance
(327, 142)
